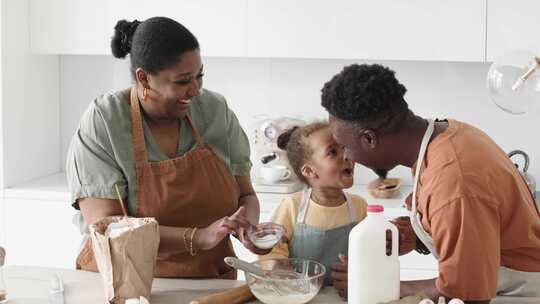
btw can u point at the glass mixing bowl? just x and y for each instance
(287, 281)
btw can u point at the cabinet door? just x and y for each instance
(218, 25)
(512, 25)
(86, 27)
(385, 29)
(69, 27)
(40, 233)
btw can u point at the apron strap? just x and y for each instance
(138, 132)
(419, 161)
(137, 129)
(304, 203)
(194, 132)
(416, 221)
(352, 208)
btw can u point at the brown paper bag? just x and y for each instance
(126, 255)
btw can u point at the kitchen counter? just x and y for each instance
(30, 285)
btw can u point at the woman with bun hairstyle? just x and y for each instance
(317, 220)
(171, 149)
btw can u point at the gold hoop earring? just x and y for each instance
(145, 94)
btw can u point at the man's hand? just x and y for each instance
(407, 237)
(339, 275)
(408, 202)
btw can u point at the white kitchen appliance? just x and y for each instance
(266, 153)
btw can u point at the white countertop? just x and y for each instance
(30, 285)
(49, 188)
(54, 188)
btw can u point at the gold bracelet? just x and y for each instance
(191, 249)
(186, 246)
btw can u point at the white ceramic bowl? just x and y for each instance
(266, 237)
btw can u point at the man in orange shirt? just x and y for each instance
(470, 206)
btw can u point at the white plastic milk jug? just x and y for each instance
(373, 276)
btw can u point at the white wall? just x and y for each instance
(30, 101)
(2, 205)
(82, 79)
(292, 87)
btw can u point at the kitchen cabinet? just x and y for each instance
(512, 25)
(69, 27)
(383, 30)
(40, 233)
(218, 25)
(393, 30)
(86, 27)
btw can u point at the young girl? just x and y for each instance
(317, 220)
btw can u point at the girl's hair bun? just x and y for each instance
(285, 137)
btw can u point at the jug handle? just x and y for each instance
(395, 238)
(525, 157)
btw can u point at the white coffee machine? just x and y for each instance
(269, 159)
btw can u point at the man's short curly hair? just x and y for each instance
(370, 96)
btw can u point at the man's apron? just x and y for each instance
(510, 282)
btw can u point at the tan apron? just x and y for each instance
(193, 190)
(510, 282)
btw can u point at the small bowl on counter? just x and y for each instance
(287, 281)
(384, 188)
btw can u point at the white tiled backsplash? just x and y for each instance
(291, 87)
